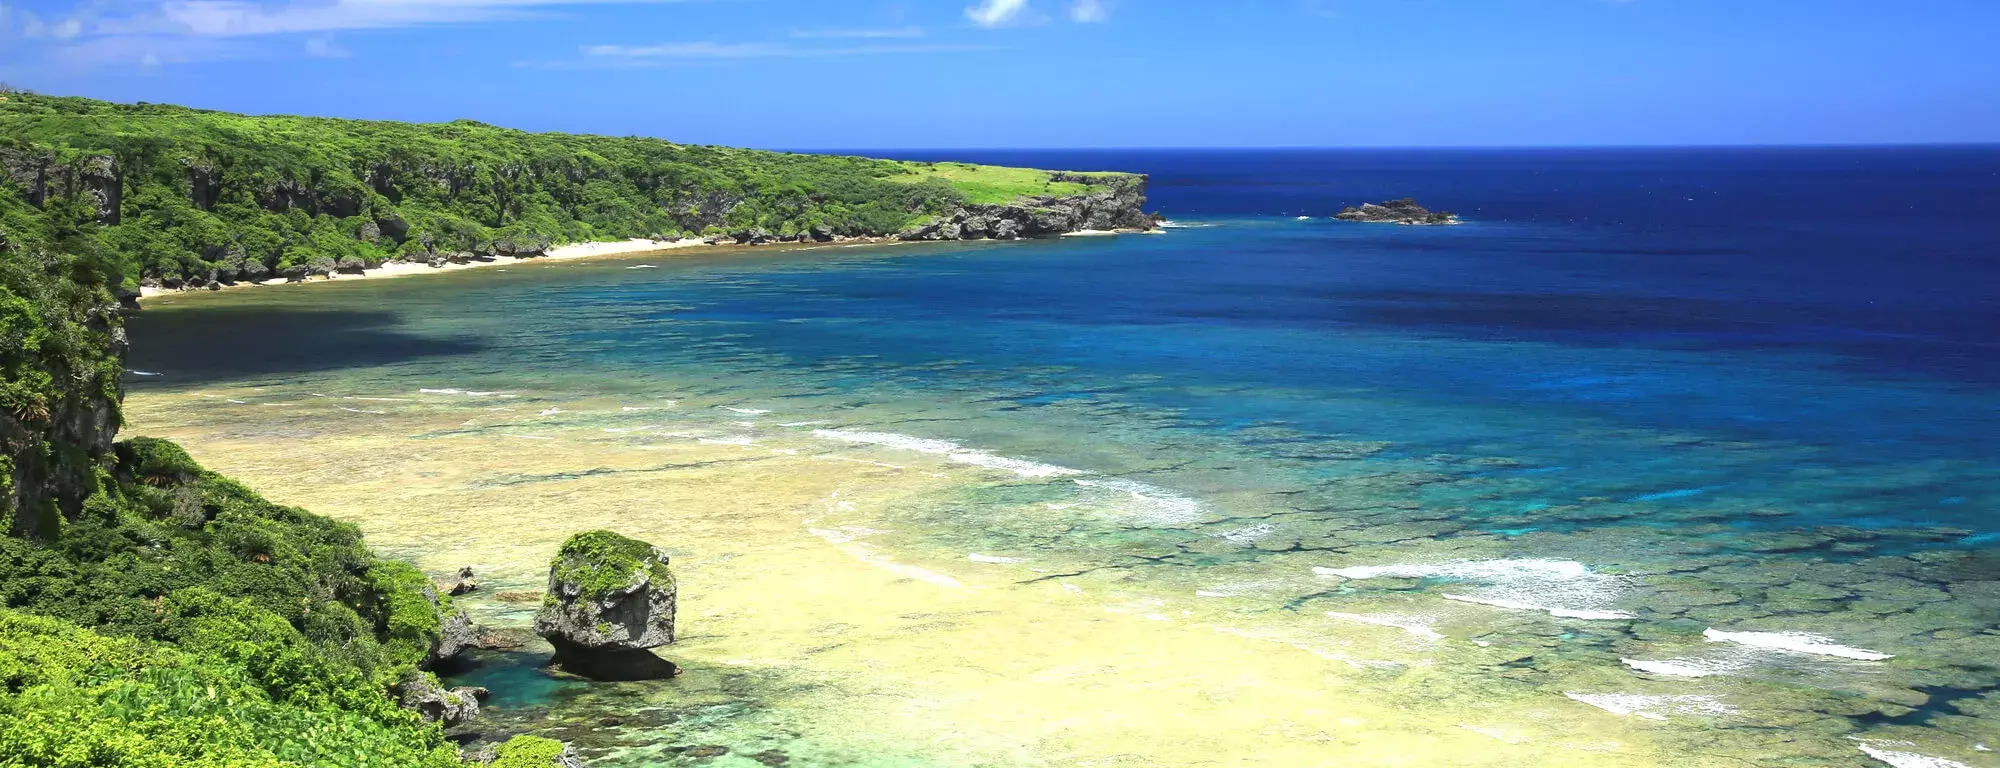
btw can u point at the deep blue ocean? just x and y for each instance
(1656, 411)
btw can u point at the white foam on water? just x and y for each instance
(642, 266)
(1561, 588)
(993, 559)
(1413, 625)
(845, 540)
(1795, 642)
(744, 423)
(355, 410)
(742, 441)
(1154, 505)
(947, 449)
(531, 437)
(624, 430)
(142, 373)
(1910, 759)
(1652, 707)
(431, 392)
(550, 412)
(1522, 605)
(805, 424)
(246, 402)
(631, 409)
(1249, 534)
(744, 411)
(1686, 667)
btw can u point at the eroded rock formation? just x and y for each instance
(610, 600)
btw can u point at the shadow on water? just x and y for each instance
(201, 345)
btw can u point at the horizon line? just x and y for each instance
(1991, 144)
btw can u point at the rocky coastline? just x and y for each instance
(1117, 209)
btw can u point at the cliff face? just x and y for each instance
(61, 353)
(1120, 204)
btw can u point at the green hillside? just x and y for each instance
(171, 192)
(154, 614)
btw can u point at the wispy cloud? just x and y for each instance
(885, 33)
(1089, 11)
(153, 33)
(241, 18)
(998, 13)
(688, 51)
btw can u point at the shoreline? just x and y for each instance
(392, 269)
(576, 251)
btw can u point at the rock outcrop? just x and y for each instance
(456, 633)
(452, 707)
(1120, 207)
(610, 600)
(40, 175)
(1405, 211)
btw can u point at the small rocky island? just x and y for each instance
(610, 600)
(1405, 211)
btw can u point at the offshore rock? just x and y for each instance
(468, 582)
(610, 600)
(1405, 211)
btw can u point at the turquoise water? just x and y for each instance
(1638, 449)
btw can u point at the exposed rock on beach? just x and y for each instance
(610, 600)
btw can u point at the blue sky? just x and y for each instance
(1056, 73)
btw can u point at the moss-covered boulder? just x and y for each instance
(610, 599)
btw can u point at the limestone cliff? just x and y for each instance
(61, 355)
(1119, 205)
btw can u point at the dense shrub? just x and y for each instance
(184, 194)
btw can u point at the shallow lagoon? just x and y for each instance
(1255, 492)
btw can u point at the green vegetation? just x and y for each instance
(223, 630)
(528, 752)
(153, 613)
(602, 562)
(988, 184)
(179, 194)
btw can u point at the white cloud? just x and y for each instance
(66, 29)
(886, 33)
(705, 50)
(1089, 11)
(239, 18)
(997, 13)
(326, 48)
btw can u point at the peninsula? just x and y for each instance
(179, 198)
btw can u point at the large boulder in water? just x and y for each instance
(610, 600)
